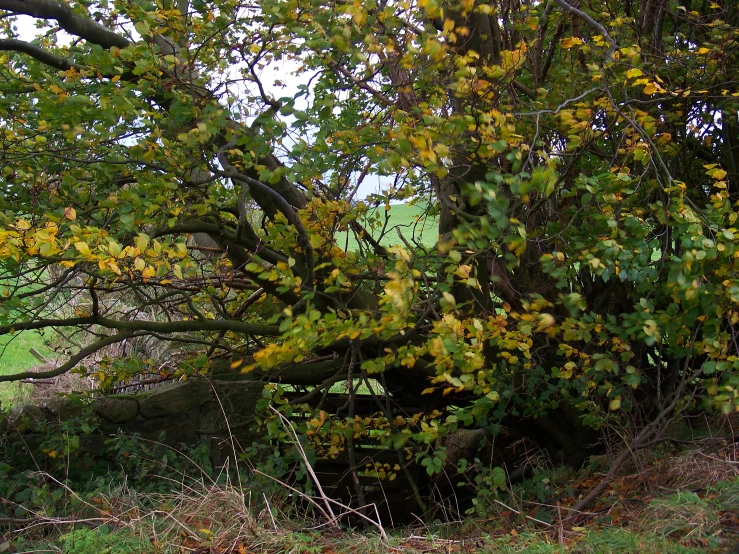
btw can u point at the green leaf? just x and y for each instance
(142, 28)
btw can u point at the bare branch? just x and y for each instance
(593, 23)
(38, 53)
(149, 326)
(71, 22)
(283, 205)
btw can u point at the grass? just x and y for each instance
(15, 356)
(684, 514)
(405, 218)
(208, 518)
(601, 541)
(215, 517)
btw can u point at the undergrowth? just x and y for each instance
(215, 514)
(682, 497)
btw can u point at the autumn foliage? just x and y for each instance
(579, 158)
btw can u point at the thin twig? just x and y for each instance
(593, 23)
(717, 459)
(299, 447)
(269, 509)
(521, 513)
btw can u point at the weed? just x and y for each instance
(102, 540)
(725, 495)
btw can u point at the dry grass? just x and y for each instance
(680, 516)
(44, 389)
(709, 461)
(220, 518)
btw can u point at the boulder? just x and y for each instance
(116, 409)
(62, 408)
(175, 398)
(25, 417)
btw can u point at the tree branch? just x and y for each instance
(214, 231)
(282, 204)
(593, 23)
(38, 53)
(150, 326)
(71, 22)
(72, 362)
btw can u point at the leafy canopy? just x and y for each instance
(580, 159)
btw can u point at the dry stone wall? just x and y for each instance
(189, 412)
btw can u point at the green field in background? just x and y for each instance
(15, 356)
(408, 219)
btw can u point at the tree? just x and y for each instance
(582, 161)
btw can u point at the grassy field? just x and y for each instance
(15, 356)
(407, 219)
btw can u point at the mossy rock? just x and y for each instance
(25, 417)
(175, 398)
(62, 408)
(115, 409)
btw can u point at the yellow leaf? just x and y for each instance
(142, 241)
(449, 298)
(634, 72)
(568, 369)
(651, 88)
(82, 248)
(116, 78)
(570, 42)
(236, 364)
(545, 321)
(315, 241)
(463, 271)
(615, 404)
(22, 224)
